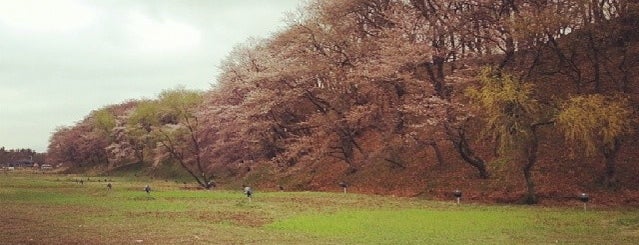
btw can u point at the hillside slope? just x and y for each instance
(403, 98)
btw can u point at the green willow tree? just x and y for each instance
(102, 127)
(104, 121)
(512, 117)
(174, 126)
(135, 132)
(597, 123)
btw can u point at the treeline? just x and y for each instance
(12, 156)
(355, 83)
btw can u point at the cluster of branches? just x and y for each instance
(347, 70)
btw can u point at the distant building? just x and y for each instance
(24, 163)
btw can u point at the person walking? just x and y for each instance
(248, 192)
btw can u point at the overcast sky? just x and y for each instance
(61, 59)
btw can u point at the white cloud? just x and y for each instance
(156, 35)
(60, 59)
(7, 95)
(36, 17)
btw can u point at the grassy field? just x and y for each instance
(54, 209)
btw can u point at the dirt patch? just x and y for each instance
(235, 218)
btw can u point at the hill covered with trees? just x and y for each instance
(507, 100)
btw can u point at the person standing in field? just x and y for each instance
(248, 191)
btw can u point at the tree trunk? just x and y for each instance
(441, 162)
(200, 182)
(179, 156)
(139, 154)
(596, 61)
(509, 53)
(463, 148)
(531, 159)
(435, 70)
(530, 196)
(610, 155)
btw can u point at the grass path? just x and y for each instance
(54, 209)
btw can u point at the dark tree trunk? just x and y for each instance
(460, 142)
(610, 155)
(509, 53)
(596, 61)
(530, 197)
(197, 178)
(435, 70)
(345, 150)
(531, 158)
(438, 154)
(139, 154)
(202, 179)
(625, 71)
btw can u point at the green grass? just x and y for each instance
(54, 209)
(473, 225)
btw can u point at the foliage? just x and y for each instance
(350, 84)
(174, 127)
(594, 121)
(513, 117)
(144, 115)
(104, 120)
(508, 107)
